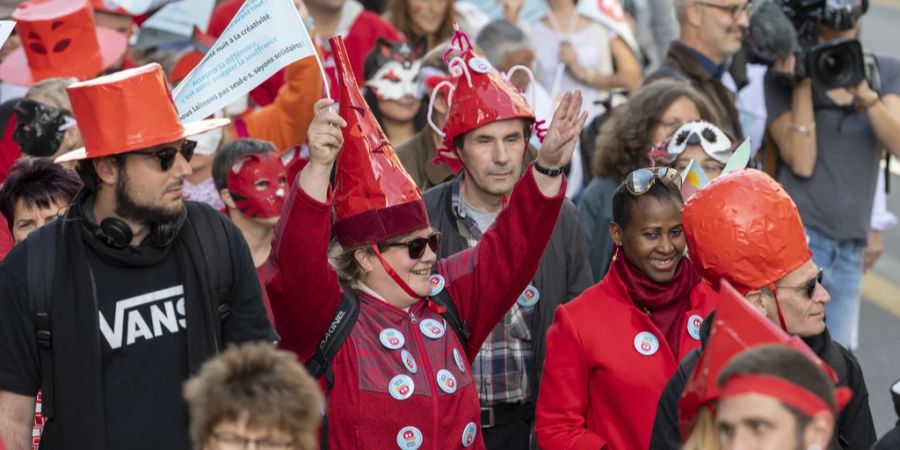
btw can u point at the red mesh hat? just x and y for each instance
(374, 197)
(736, 327)
(744, 227)
(479, 95)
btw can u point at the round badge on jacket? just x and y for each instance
(458, 359)
(480, 65)
(437, 284)
(401, 387)
(529, 297)
(693, 326)
(469, 433)
(446, 381)
(391, 338)
(431, 328)
(409, 362)
(646, 343)
(409, 438)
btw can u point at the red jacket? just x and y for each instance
(604, 373)
(483, 281)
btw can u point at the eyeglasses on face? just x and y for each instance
(735, 11)
(640, 181)
(166, 155)
(234, 441)
(809, 287)
(416, 247)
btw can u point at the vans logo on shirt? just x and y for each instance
(145, 317)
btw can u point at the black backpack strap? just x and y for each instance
(451, 314)
(338, 332)
(213, 240)
(41, 265)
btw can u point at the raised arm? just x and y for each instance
(304, 291)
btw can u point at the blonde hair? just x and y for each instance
(53, 90)
(705, 435)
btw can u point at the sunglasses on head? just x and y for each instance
(640, 181)
(810, 287)
(166, 155)
(416, 247)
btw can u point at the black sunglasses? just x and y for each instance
(416, 247)
(809, 287)
(166, 155)
(640, 181)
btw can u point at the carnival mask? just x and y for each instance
(397, 73)
(708, 136)
(40, 128)
(258, 185)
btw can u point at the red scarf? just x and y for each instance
(666, 303)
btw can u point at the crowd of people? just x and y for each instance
(462, 225)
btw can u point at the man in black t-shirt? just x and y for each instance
(134, 307)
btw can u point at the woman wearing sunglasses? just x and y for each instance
(611, 350)
(403, 376)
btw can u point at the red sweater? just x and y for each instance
(599, 391)
(362, 412)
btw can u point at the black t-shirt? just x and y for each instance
(143, 342)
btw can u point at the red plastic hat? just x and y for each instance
(374, 197)
(479, 95)
(128, 110)
(744, 227)
(59, 39)
(736, 327)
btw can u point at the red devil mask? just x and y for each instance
(258, 183)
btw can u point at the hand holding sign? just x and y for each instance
(325, 136)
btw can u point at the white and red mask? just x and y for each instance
(398, 71)
(258, 185)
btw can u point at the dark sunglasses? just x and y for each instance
(416, 247)
(640, 181)
(166, 155)
(809, 287)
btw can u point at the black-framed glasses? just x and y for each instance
(810, 287)
(416, 247)
(166, 155)
(734, 11)
(640, 181)
(234, 441)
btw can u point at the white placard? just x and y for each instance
(610, 14)
(6, 28)
(180, 17)
(263, 37)
(134, 7)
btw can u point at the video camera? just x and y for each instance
(830, 65)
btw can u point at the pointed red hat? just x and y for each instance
(744, 227)
(736, 327)
(59, 39)
(480, 95)
(374, 198)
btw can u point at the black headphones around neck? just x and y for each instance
(116, 233)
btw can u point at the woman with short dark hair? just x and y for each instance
(35, 192)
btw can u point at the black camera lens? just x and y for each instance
(837, 64)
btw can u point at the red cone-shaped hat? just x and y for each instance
(481, 95)
(744, 227)
(374, 197)
(736, 327)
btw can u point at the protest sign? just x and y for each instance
(610, 14)
(6, 28)
(263, 37)
(179, 18)
(134, 7)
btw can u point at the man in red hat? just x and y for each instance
(110, 308)
(745, 229)
(491, 143)
(402, 374)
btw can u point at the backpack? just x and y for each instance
(345, 317)
(201, 227)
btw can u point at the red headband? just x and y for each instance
(786, 392)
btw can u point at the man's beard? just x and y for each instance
(128, 208)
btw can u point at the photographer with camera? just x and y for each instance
(831, 110)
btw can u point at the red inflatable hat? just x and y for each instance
(736, 327)
(744, 227)
(374, 198)
(59, 39)
(128, 110)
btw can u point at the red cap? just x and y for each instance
(736, 327)
(128, 110)
(374, 198)
(59, 39)
(744, 227)
(481, 95)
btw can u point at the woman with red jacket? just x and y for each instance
(403, 377)
(611, 350)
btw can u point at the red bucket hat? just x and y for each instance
(59, 39)
(736, 327)
(374, 197)
(478, 95)
(128, 110)
(744, 227)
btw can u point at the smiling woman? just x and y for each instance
(611, 351)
